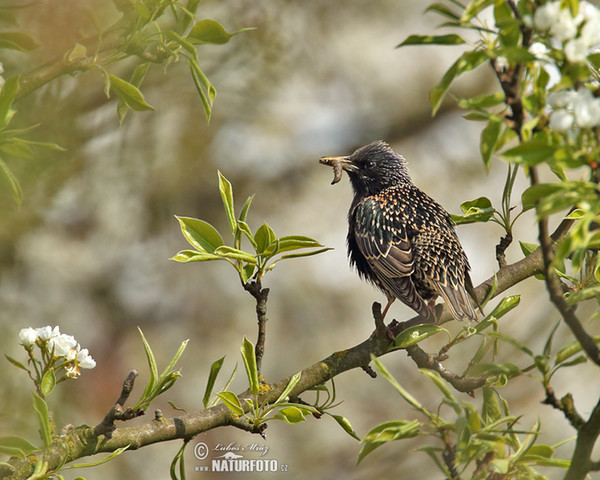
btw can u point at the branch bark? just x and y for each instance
(581, 462)
(82, 441)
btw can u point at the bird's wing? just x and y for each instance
(447, 270)
(383, 242)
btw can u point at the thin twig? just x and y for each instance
(565, 405)
(449, 456)
(260, 295)
(505, 241)
(107, 426)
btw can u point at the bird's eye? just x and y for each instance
(369, 164)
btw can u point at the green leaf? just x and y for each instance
(395, 430)
(17, 148)
(152, 381)
(488, 143)
(169, 368)
(249, 357)
(235, 254)
(451, 39)
(490, 410)
(482, 101)
(288, 388)
(8, 93)
(215, 368)
(536, 192)
(129, 94)
(416, 334)
(136, 80)
(570, 350)
(478, 210)
(439, 382)
(232, 402)
(577, 296)
(305, 254)
(200, 234)
(108, 458)
(516, 54)
(530, 153)
(387, 432)
(16, 363)
(184, 43)
(528, 248)
(186, 256)
(48, 383)
(16, 446)
(227, 196)
(442, 10)
(17, 41)
(244, 211)
(506, 305)
(41, 410)
(295, 242)
(15, 186)
(247, 272)
(291, 415)
(474, 8)
(404, 393)
(265, 240)
(77, 55)
(366, 449)
(467, 61)
(489, 369)
(512, 341)
(345, 424)
(205, 89)
(209, 31)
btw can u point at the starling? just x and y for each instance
(399, 238)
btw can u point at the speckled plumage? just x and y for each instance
(401, 239)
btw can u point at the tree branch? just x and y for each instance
(581, 462)
(261, 296)
(554, 287)
(107, 426)
(565, 405)
(82, 441)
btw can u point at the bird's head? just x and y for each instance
(372, 168)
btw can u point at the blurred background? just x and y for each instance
(89, 248)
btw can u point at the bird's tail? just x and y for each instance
(458, 302)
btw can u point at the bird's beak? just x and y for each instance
(344, 161)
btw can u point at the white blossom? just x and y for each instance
(46, 333)
(564, 27)
(576, 50)
(85, 360)
(64, 346)
(539, 50)
(586, 109)
(27, 337)
(546, 16)
(561, 120)
(561, 98)
(501, 63)
(590, 32)
(588, 11)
